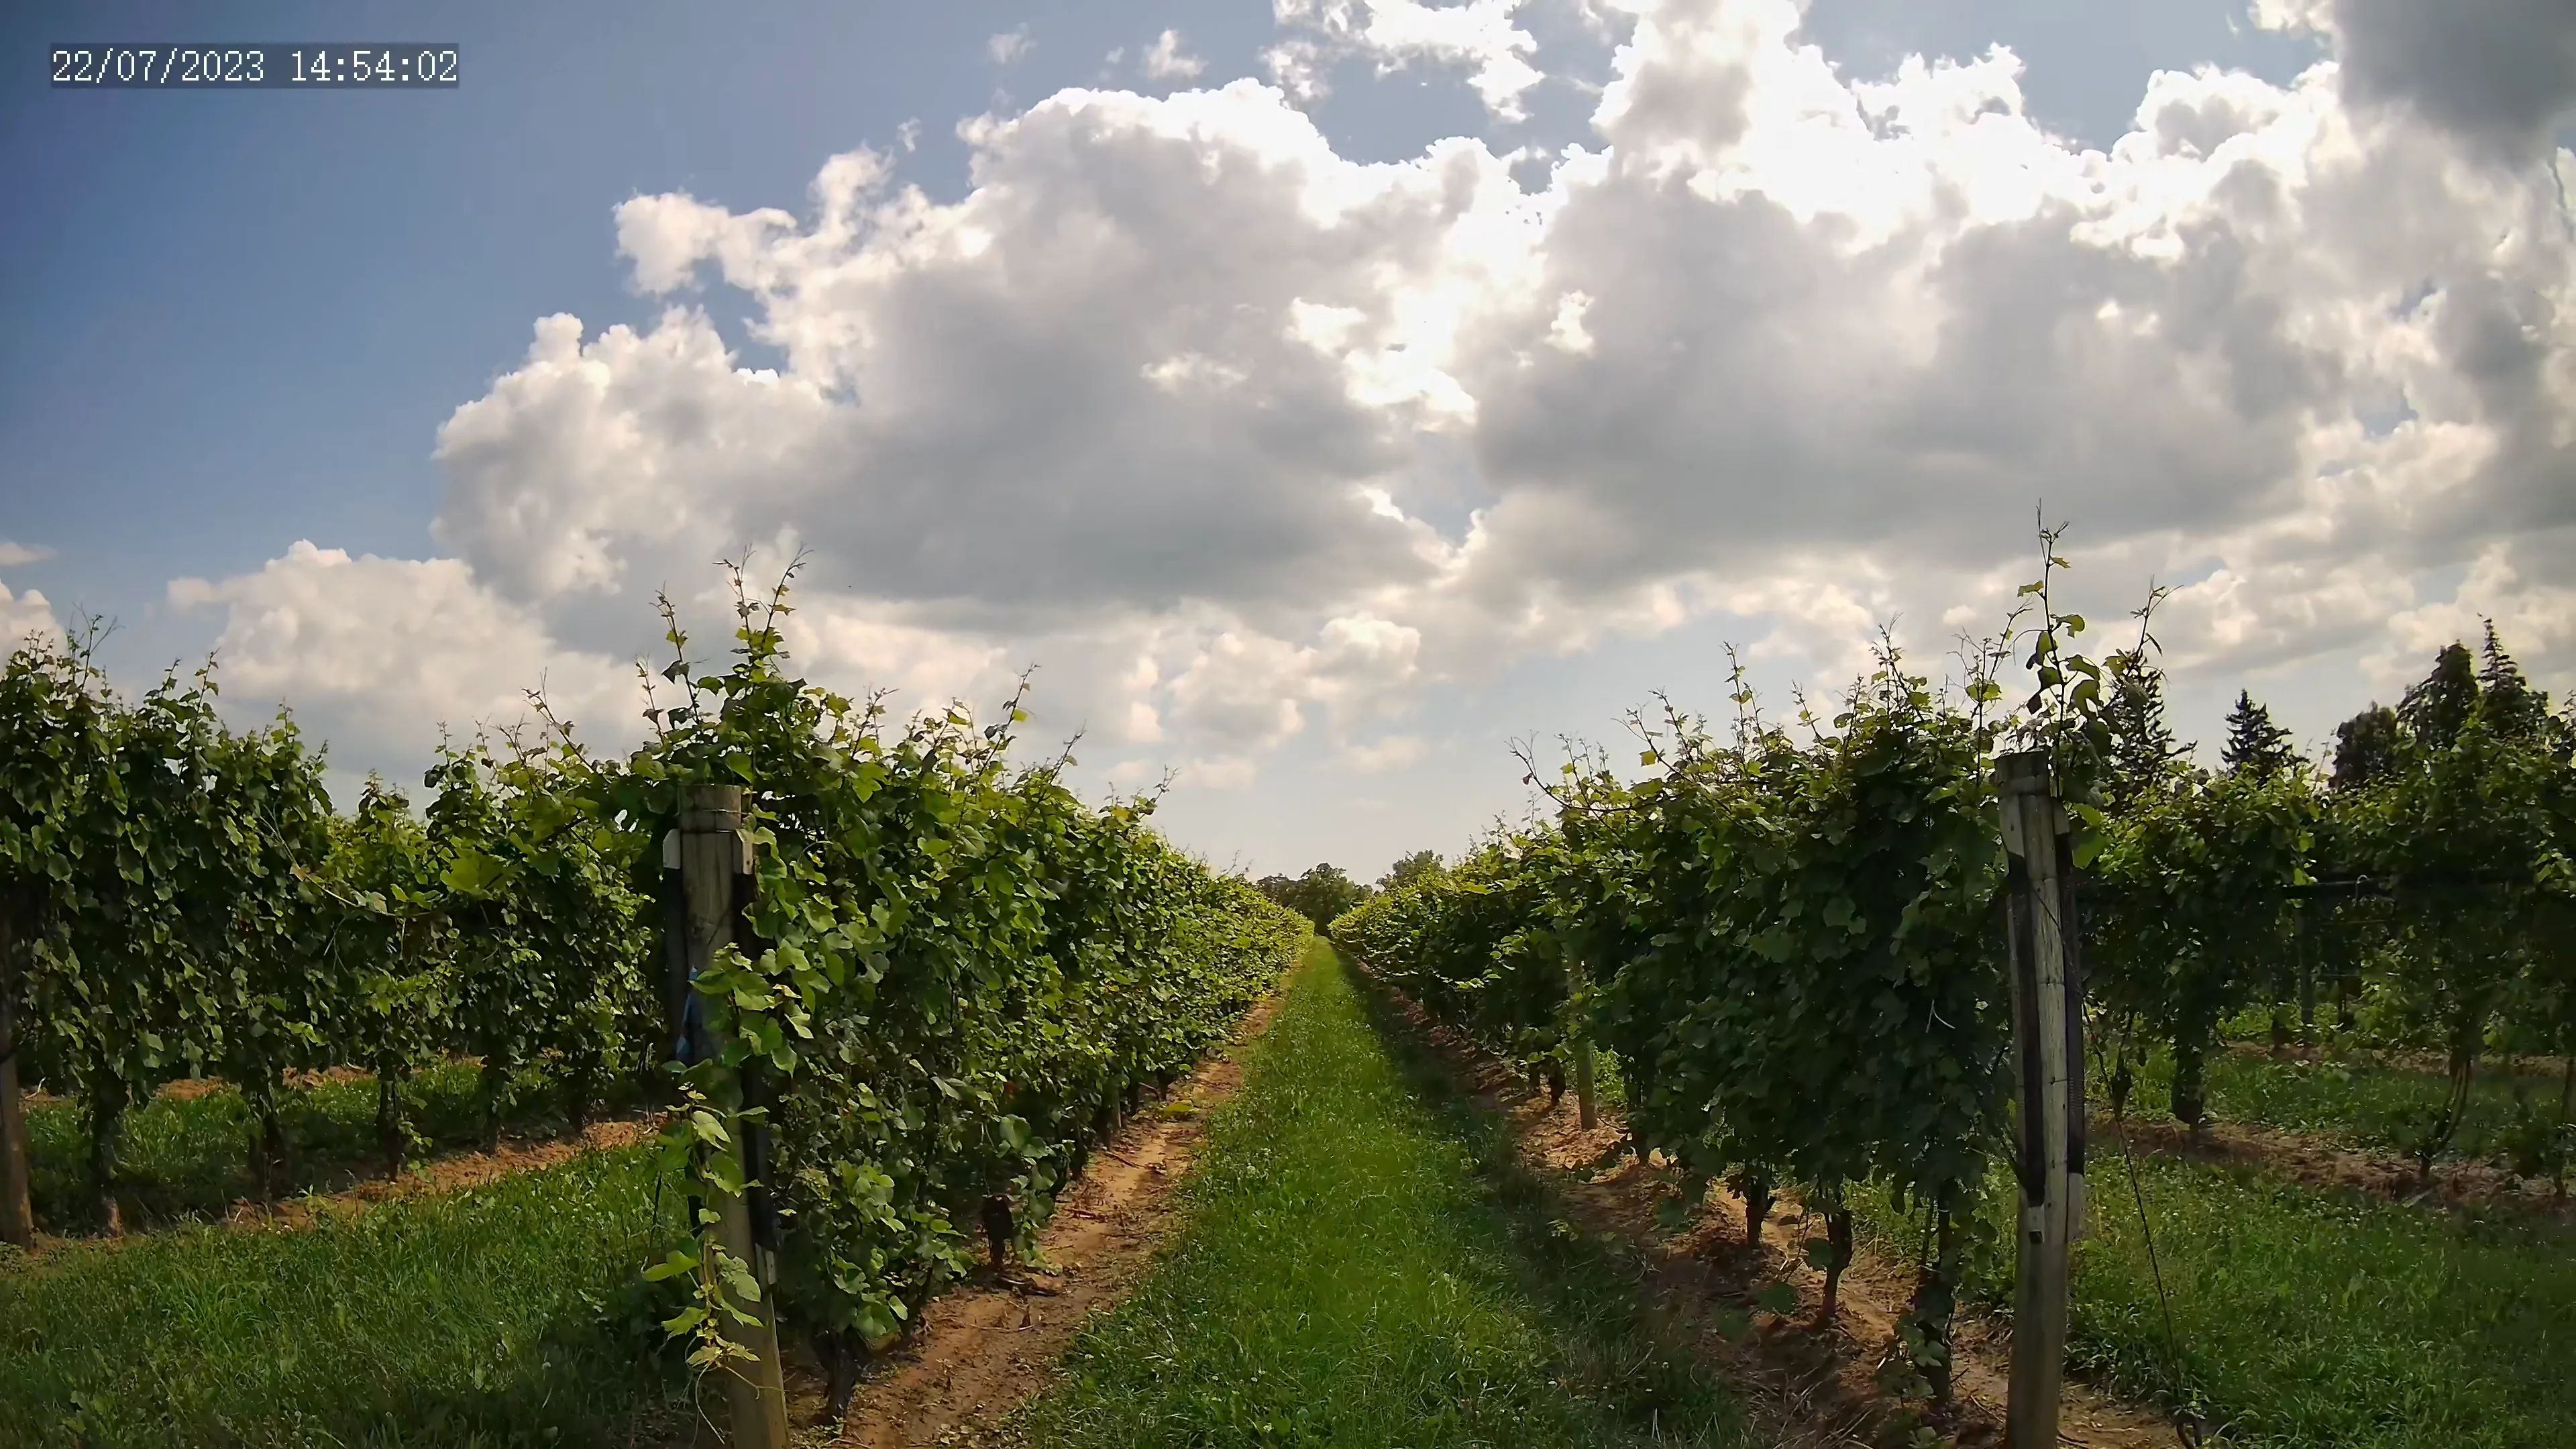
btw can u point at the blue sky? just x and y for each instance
(241, 321)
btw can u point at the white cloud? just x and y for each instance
(1566, 332)
(1166, 60)
(1228, 773)
(1893, 314)
(632, 446)
(1392, 753)
(1029, 387)
(384, 652)
(1010, 47)
(1133, 774)
(14, 554)
(2496, 72)
(2535, 620)
(1478, 36)
(1249, 443)
(23, 616)
(1244, 689)
(866, 646)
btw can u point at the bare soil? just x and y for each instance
(1814, 1385)
(990, 1345)
(452, 1172)
(2403, 1059)
(993, 1344)
(2318, 1163)
(189, 1089)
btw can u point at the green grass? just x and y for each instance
(1362, 1262)
(189, 1157)
(507, 1314)
(2312, 1319)
(2353, 1102)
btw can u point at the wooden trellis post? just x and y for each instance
(712, 855)
(1579, 1044)
(1585, 1114)
(2048, 1027)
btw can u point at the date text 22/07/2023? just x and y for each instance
(123, 65)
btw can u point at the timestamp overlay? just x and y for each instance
(307, 65)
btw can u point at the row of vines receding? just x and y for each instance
(180, 900)
(1791, 941)
(953, 974)
(958, 977)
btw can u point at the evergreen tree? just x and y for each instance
(2367, 747)
(2510, 705)
(2434, 710)
(2143, 748)
(2255, 746)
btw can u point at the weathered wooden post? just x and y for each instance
(712, 853)
(2307, 975)
(2048, 1025)
(1584, 1113)
(1579, 1043)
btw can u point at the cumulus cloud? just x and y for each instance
(1479, 37)
(1253, 691)
(14, 554)
(23, 616)
(1166, 59)
(1225, 772)
(1010, 47)
(2535, 619)
(1911, 313)
(872, 647)
(388, 652)
(1378, 756)
(2496, 71)
(1248, 442)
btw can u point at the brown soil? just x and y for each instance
(1815, 1386)
(452, 1173)
(2540, 1069)
(2318, 1163)
(189, 1089)
(991, 1344)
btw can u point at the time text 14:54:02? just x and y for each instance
(124, 65)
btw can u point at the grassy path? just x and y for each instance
(185, 1153)
(2355, 1102)
(503, 1314)
(1357, 1268)
(2309, 1318)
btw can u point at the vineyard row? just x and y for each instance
(1794, 944)
(948, 975)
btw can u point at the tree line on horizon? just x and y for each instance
(1326, 890)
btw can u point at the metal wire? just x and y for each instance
(2185, 1424)
(2187, 1434)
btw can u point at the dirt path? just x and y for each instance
(1818, 1387)
(989, 1345)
